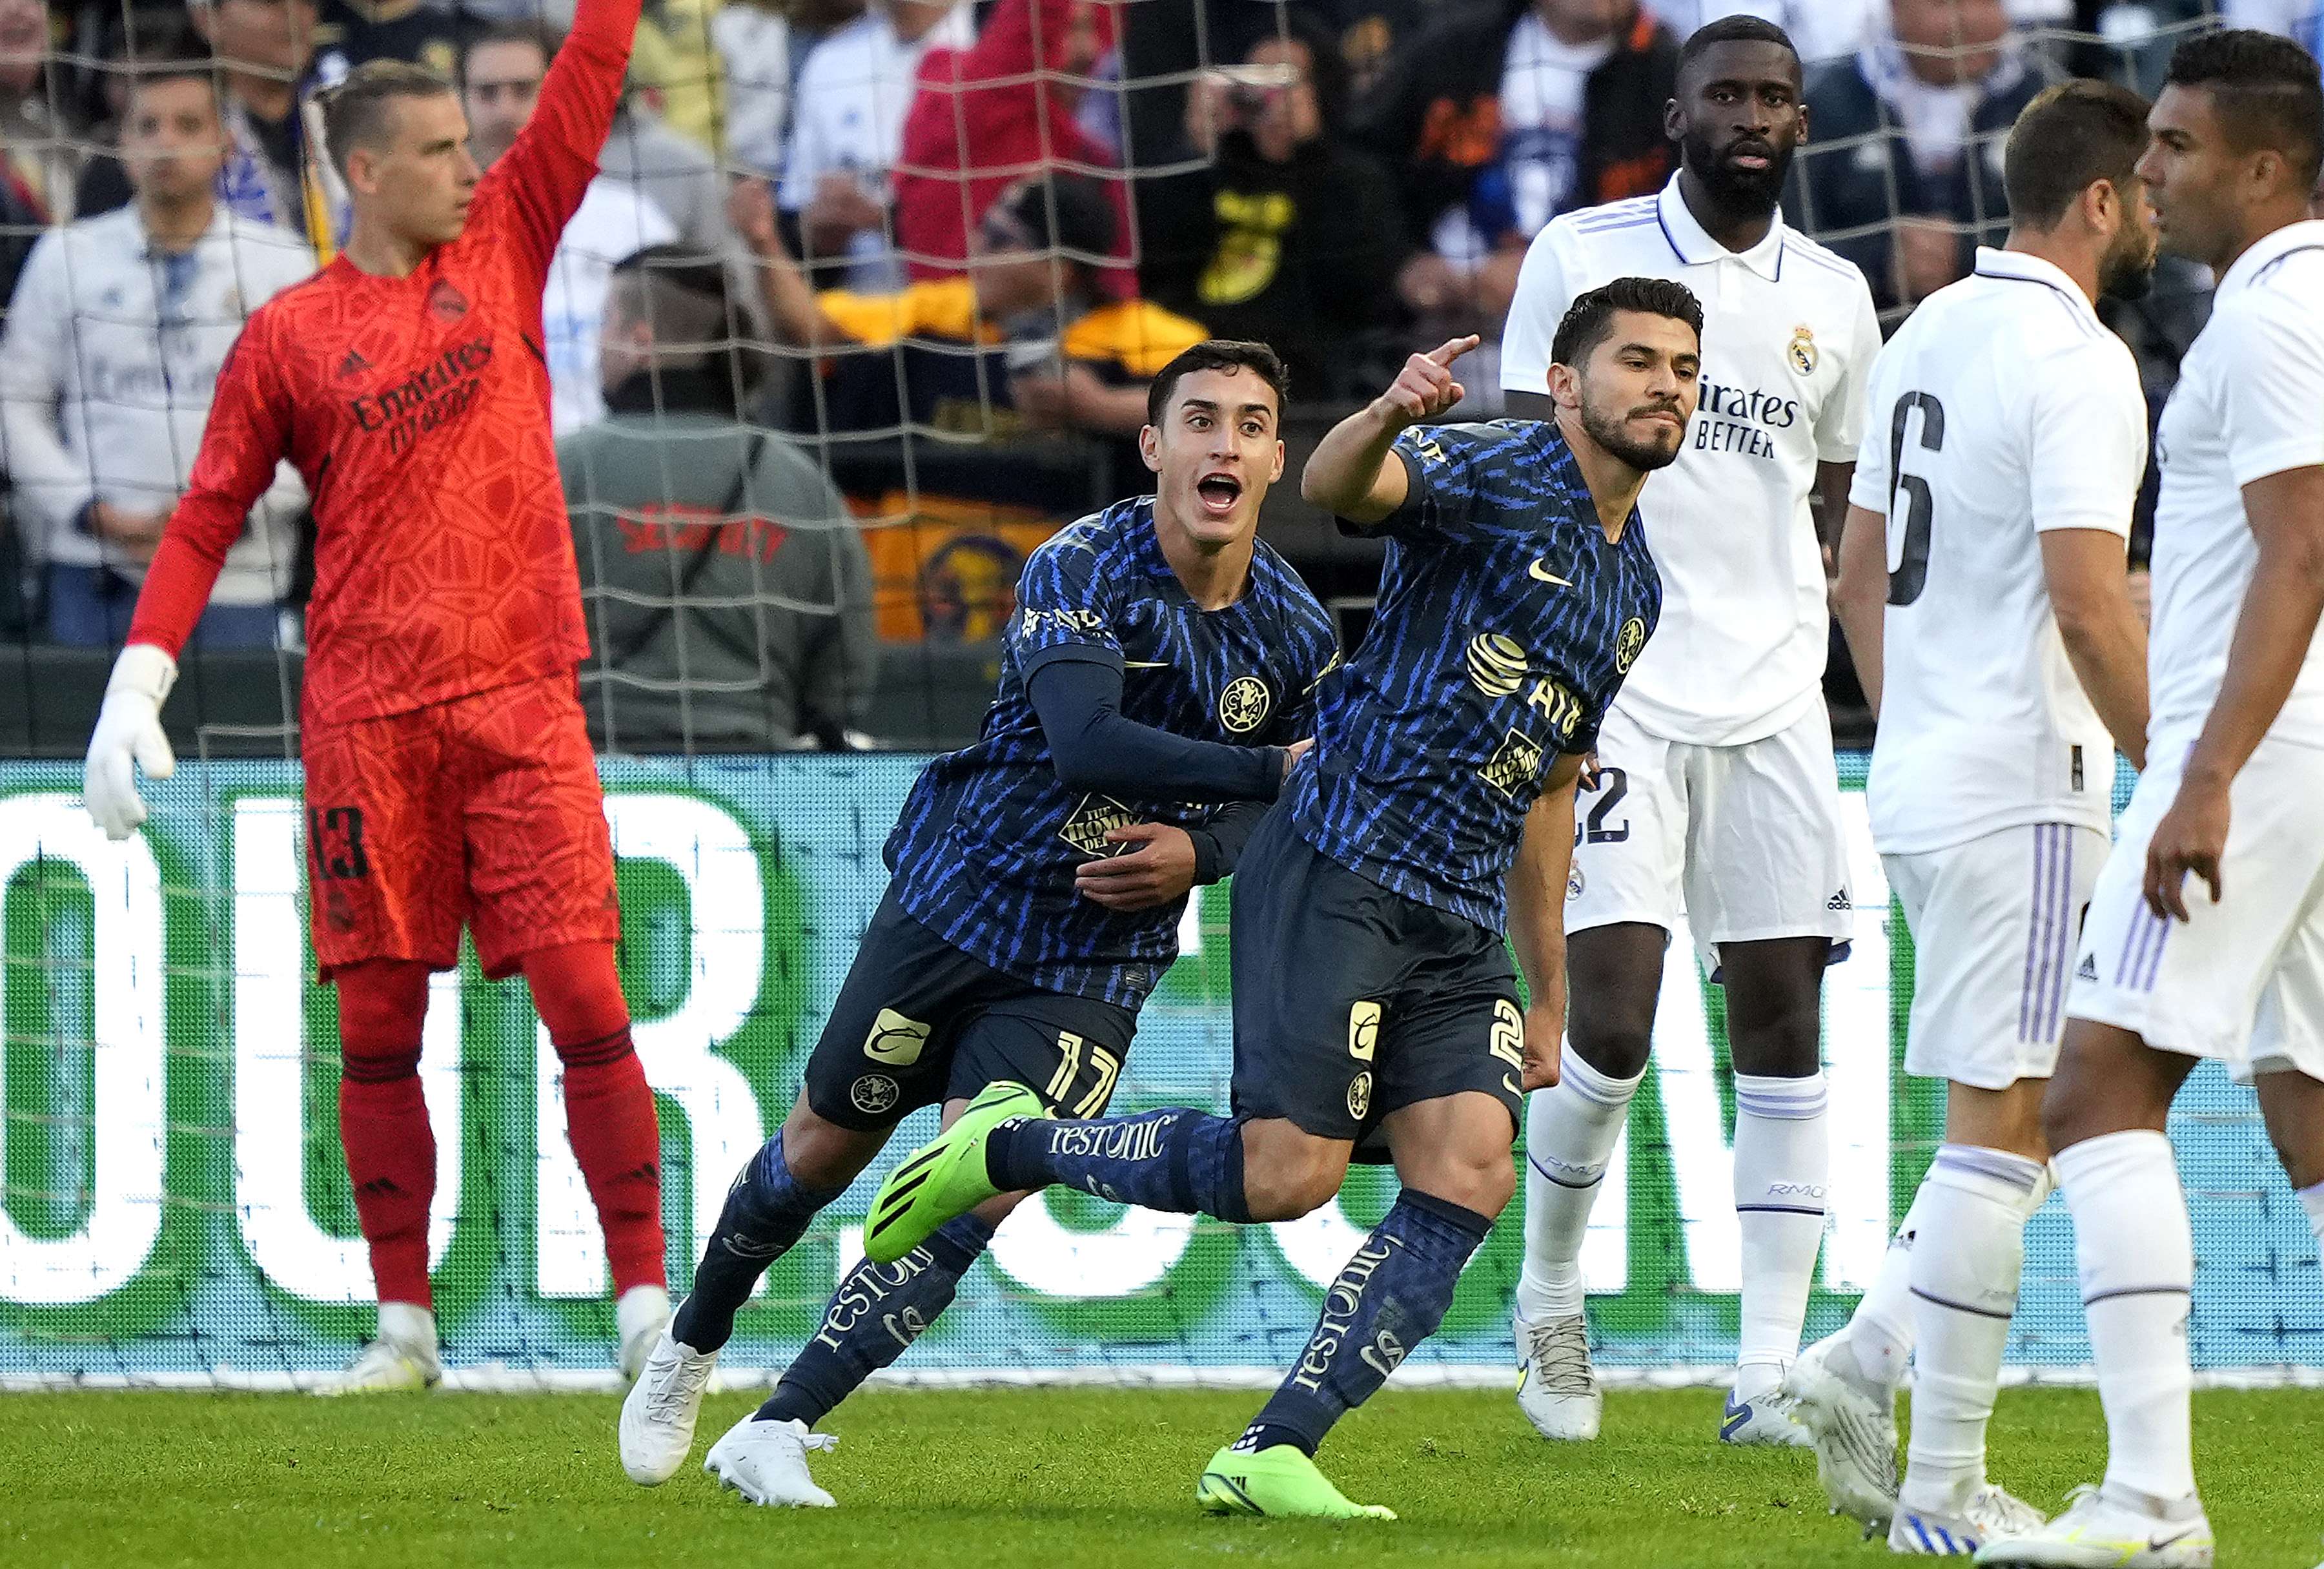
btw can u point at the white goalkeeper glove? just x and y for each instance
(128, 736)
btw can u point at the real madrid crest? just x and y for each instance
(1243, 706)
(1628, 642)
(1802, 354)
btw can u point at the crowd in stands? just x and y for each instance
(863, 301)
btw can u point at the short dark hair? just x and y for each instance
(355, 112)
(2264, 88)
(529, 35)
(1218, 353)
(680, 294)
(1740, 28)
(1590, 320)
(2068, 138)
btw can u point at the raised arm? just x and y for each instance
(546, 173)
(1351, 474)
(1537, 899)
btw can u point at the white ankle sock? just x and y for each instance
(1971, 1251)
(1570, 1129)
(1783, 1169)
(2137, 1257)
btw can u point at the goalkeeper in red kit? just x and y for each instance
(449, 775)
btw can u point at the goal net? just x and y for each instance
(786, 620)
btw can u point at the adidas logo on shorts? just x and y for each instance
(1839, 901)
(2088, 970)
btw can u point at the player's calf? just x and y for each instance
(767, 1211)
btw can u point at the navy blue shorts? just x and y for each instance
(1351, 1002)
(918, 1023)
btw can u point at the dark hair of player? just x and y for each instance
(1590, 319)
(1740, 28)
(356, 113)
(1218, 353)
(523, 32)
(2265, 90)
(2068, 138)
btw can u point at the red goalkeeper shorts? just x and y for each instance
(485, 810)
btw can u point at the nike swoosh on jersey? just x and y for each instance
(1510, 1082)
(1542, 574)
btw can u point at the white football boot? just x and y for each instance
(639, 1319)
(1853, 1423)
(402, 1356)
(1762, 1420)
(766, 1462)
(1557, 1388)
(658, 1416)
(2109, 1527)
(1983, 1514)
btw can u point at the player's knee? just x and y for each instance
(383, 1005)
(820, 1153)
(576, 989)
(1485, 1184)
(1288, 1173)
(1615, 1039)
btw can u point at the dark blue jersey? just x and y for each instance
(1506, 622)
(989, 838)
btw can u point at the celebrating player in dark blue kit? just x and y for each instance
(1376, 1011)
(1157, 682)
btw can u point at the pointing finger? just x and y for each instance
(1453, 348)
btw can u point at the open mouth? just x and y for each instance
(1218, 493)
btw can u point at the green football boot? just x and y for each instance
(1277, 1481)
(945, 1178)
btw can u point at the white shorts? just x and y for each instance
(1741, 843)
(1994, 925)
(2242, 980)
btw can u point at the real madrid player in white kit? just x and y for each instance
(1718, 797)
(1984, 590)
(2231, 966)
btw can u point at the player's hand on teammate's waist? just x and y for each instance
(1158, 869)
(2191, 837)
(1425, 388)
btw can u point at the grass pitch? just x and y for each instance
(1052, 1478)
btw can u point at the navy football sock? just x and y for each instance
(767, 1211)
(878, 1311)
(1388, 1299)
(1184, 1162)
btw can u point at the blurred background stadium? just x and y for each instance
(930, 249)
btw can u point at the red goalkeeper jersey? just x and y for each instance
(416, 410)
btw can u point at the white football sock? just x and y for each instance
(1783, 1170)
(1570, 1130)
(2137, 1257)
(1880, 1334)
(1971, 1250)
(2312, 1199)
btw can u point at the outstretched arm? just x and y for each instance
(1351, 474)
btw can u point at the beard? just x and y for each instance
(1738, 191)
(1611, 432)
(2127, 275)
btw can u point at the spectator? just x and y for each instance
(986, 115)
(264, 48)
(754, 50)
(1289, 235)
(1904, 177)
(672, 171)
(114, 344)
(40, 145)
(2301, 21)
(730, 591)
(676, 66)
(420, 31)
(500, 84)
(853, 93)
(1823, 30)
(1502, 113)
(1051, 355)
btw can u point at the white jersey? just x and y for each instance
(111, 360)
(1788, 340)
(2249, 403)
(2001, 409)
